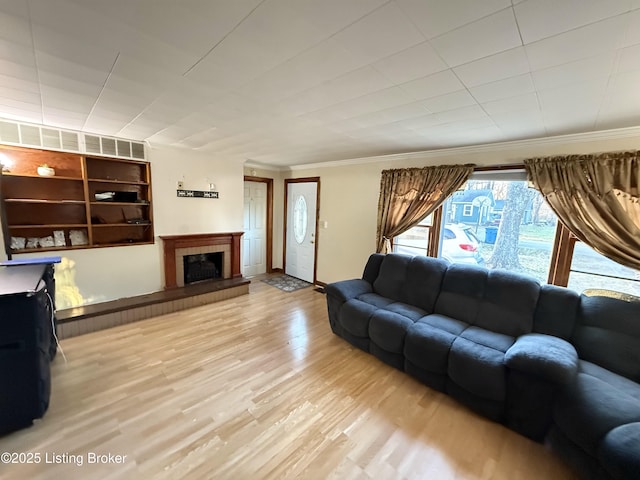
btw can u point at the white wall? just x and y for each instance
(174, 215)
(349, 194)
(102, 274)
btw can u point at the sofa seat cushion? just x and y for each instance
(429, 340)
(355, 315)
(375, 300)
(409, 311)
(593, 405)
(619, 452)
(476, 362)
(388, 329)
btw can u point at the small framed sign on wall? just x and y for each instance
(198, 194)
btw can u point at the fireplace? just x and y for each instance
(202, 266)
(176, 247)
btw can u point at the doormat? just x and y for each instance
(286, 283)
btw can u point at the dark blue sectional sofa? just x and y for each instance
(548, 363)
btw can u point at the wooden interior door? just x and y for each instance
(255, 229)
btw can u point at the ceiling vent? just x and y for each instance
(92, 144)
(9, 132)
(113, 147)
(69, 141)
(29, 135)
(124, 148)
(137, 150)
(108, 146)
(51, 138)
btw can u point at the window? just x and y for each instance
(510, 227)
(415, 241)
(300, 219)
(513, 228)
(589, 269)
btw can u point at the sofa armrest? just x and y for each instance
(348, 289)
(545, 356)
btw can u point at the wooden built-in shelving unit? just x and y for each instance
(69, 208)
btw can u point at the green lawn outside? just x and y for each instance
(544, 233)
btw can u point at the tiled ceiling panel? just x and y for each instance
(381, 33)
(415, 62)
(288, 82)
(546, 18)
(492, 68)
(509, 87)
(490, 35)
(435, 17)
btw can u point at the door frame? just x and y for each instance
(269, 247)
(287, 181)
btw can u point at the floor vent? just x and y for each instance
(30, 135)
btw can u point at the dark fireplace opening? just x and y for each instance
(202, 266)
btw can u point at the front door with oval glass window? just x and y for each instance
(301, 230)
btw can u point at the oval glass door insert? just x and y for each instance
(300, 219)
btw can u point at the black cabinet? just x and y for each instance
(27, 344)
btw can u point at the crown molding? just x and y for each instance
(264, 166)
(573, 138)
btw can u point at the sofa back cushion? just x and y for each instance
(462, 291)
(556, 311)
(392, 278)
(372, 268)
(608, 332)
(509, 303)
(424, 279)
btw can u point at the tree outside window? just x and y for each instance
(506, 224)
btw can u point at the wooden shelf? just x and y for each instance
(117, 182)
(51, 249)
(42, 200)
(122, 244)
(135, 204)
(58, 226)
(68, 201)
(111, 225)
(53, 177)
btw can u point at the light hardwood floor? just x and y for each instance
(256, 387)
